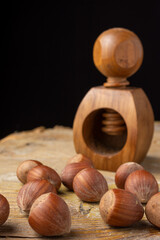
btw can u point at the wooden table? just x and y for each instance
(53, 147)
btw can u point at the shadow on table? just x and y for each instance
(152, 164)
(6, 228)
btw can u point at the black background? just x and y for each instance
(46, 56)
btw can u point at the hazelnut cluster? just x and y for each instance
(122, 207)
(49, 214)
(133, 178)
(80, 176)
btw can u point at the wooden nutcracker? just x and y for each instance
(114, 123)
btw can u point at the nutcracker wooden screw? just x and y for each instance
(114, 122)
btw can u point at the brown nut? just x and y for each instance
(70, 171)
(44, 172)
(152, 210)
(123, 172)
(24, 168)
(143, 184)
(90, 185)
(4, 209)
(31, 191)
(80, 158)
(50, 215)
(120, 208)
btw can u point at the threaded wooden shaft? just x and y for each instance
(113, 123)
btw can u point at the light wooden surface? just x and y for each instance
(54, 147)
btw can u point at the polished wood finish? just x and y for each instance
(117, 54)
(106, 151)
(114, 123)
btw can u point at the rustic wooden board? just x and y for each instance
(54, 147)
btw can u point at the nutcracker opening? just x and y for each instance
(105, 131)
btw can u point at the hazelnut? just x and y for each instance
(143, 184)
(152, 210)
(123, 172)
(31, 191)
(4, 209)
(120, 208)
(44, 172)
(80, 158)
(24, 168)
(50, 215)
(70, 171)
(90, 185)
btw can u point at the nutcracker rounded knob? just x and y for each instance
(117, 54)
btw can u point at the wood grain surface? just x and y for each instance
(53, 147)
(107, 151)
